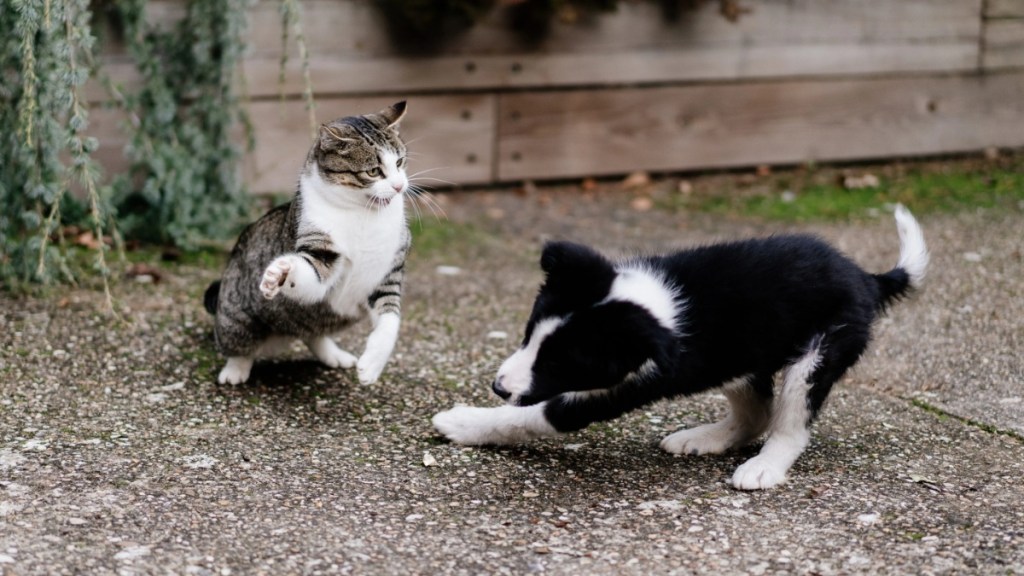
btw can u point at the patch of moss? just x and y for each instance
(955, 186)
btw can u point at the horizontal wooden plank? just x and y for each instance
(352, 54)
(397, 75)
(1004, 44)
(357, 29)
(636, 44)
(450, 138)
(577, 133)
(1004, 8)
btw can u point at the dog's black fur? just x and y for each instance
(605, 338)
(751, 307)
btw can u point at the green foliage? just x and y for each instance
(417, 25)
(922, 189)
(291, 23)
(45, 48)
(184, 185)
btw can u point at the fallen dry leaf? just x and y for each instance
(861, 182)
(641, 204)
(636, 180)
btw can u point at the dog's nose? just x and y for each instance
(500, 390)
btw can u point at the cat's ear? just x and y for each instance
(393, 114)
(331, 139)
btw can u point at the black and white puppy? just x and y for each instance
(605, 338)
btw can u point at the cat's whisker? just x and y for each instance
(427, 170)
(449, 182)
(414, 140)
(427, 199)
(414, 204)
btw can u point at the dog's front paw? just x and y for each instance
(494, 426)
(467, 425)
(758, 473)
(274, 277)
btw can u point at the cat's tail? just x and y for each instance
(210, 297)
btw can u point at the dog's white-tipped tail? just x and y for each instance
(913, 251)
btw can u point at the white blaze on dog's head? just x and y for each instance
(516, 373)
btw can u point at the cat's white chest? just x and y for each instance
(367, 242)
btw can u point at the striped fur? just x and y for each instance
(334, 255)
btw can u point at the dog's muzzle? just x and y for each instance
(500, 390)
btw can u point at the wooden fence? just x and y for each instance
(788, 81)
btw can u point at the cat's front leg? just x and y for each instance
(379, 346)
(294, 277)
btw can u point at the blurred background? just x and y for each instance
(506, 91)
(171, 115)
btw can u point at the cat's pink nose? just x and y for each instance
(397, 186)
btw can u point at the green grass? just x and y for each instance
(922, 190)
(431, 237)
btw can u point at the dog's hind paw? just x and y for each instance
(707, 439)
(758, 473)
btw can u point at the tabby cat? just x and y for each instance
(334, 254)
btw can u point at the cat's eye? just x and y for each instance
(401, 162)
(375, 172)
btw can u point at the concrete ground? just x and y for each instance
(119, 454)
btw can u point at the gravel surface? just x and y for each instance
(119, 454)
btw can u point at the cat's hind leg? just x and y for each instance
(239, 364)
(328, 352)
(236, 371)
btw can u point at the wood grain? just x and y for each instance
(351, 54)
(1004, 44)
(355, 29)
(577, 133)
(450, 139)
(1004, 8)
(399, 75)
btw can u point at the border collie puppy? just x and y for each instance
(605, 338)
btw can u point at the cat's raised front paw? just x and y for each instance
(274, 277)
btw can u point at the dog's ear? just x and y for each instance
(556, 254)
(575, 268)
